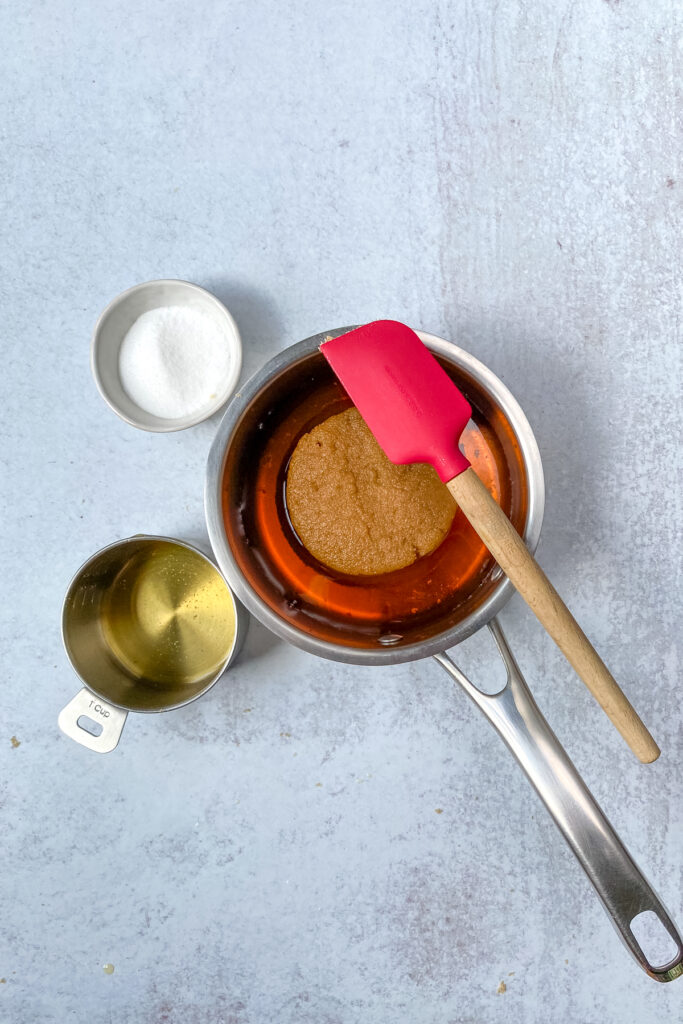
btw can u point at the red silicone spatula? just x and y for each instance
(417, 414)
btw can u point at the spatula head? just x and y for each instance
(408, 401)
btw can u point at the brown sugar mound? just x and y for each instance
(354, 510)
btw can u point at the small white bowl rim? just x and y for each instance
(171, 425)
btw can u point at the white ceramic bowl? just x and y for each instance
(115, 322)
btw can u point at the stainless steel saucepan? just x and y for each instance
(302, 619)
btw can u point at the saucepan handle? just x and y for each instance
(624, 891)
(92, 722)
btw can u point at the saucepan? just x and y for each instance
(423, 610)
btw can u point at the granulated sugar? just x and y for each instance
(174, 361)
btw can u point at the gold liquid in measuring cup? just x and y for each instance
(149, 623)
(168, 616)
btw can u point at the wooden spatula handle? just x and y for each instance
(521, 568)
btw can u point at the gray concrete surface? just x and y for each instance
(504, 174)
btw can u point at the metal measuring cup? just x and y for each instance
(149, 624)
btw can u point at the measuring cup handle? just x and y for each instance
(86, 705)
(622, 888)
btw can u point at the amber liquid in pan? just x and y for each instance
(401, 607)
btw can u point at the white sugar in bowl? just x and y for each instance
(166, 355)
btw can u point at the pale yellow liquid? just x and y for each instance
(168, 617)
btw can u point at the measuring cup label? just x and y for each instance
(99, 709)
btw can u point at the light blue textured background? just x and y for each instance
(501, 173)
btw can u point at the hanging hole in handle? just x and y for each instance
(488, 674)
(87, 725)
(653, 938)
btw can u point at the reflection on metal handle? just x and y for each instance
(86, 705)
(624, 891)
